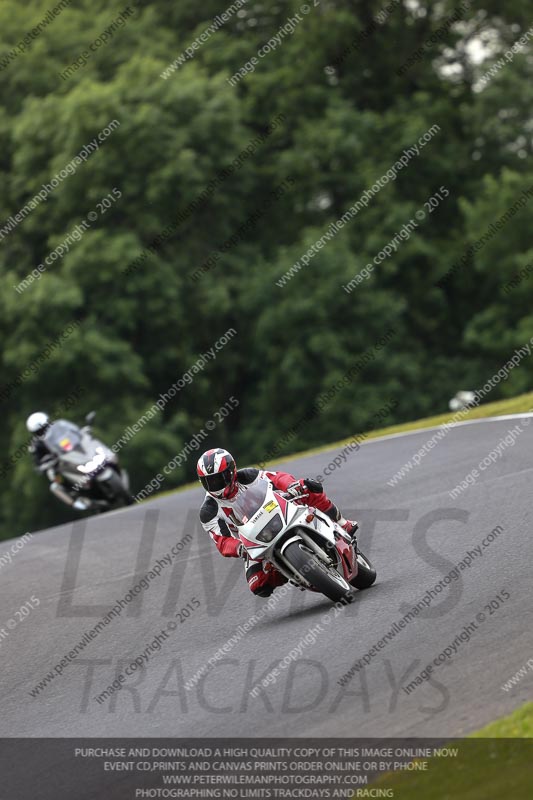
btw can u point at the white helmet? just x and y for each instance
(37, 423)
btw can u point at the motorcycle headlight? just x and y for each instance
(270, 530)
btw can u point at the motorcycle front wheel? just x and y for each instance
(321, 577)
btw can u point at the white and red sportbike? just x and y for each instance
(301, 542)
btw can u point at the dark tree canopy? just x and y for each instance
(242, 181)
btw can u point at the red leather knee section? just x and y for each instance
(257, 581)
(263, 583)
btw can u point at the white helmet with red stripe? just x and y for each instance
(217, 472)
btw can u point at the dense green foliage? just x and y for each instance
(346, 117)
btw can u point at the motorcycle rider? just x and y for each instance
(45, 461)
(218, 474)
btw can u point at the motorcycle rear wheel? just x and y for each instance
(366, 574)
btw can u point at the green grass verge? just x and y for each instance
(493, 763)
(515, 405)
(518, 725)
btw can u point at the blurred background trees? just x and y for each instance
(348, 115)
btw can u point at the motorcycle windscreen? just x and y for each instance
(62, 437)
(250, 500)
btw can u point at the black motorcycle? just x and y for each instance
(86, 465)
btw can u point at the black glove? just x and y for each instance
(315, 487)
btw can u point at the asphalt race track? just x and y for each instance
(413, 532)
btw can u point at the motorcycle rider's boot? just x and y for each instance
(82, 504)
